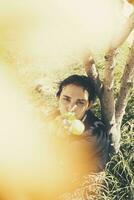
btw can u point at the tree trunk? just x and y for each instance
(126, 84)
(107, 97)
(112, 115)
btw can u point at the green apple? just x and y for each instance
(77, 127)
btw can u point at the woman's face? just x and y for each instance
(74, 98)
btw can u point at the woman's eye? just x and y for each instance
(80, 103)
(66, 100)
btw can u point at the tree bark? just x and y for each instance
(108, 102)
(92, 72)
(107, 97)
(126, 84)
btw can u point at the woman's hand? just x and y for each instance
(62, 127)
(68, 127)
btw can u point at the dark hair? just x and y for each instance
(79, 80)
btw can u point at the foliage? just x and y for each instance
(119, 182)
(129, 114)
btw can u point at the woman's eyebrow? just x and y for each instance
(82, 100)
(66, 96)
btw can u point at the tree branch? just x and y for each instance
(92, 72)
(108, 102)
(107, 97)
(124, 32)
(126, 84)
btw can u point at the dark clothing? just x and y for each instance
(101, 137)
(79, 155)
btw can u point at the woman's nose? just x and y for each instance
(72, 107)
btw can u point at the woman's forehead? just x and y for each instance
(77, 91)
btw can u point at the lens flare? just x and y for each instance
(50, 31)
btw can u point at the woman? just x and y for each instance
(81, 144)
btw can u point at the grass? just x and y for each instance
(119, 181)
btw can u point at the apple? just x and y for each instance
(77, 127)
